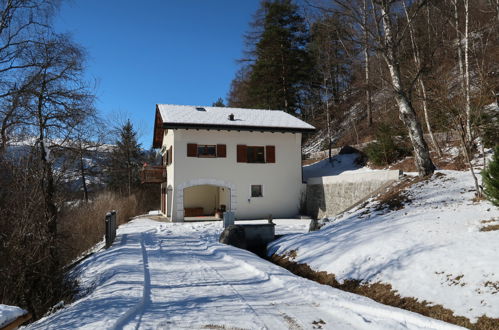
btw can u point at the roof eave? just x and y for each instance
(238, 128)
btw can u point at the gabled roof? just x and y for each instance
(203, 117)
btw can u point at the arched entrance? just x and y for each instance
(202, 194)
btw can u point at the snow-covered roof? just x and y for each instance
(177, 116)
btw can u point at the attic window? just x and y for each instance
(200, 109)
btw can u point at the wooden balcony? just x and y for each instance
(152, 174)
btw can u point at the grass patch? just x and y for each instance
(490, 228)
(384, 293)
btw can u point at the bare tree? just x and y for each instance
(418, 64)
(386, 39)
(21, 22)
(59, 101)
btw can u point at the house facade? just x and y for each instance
(229, 159)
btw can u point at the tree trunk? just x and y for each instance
(467, 72)
(328, 120)
(417, 62)
(366, 59)
(47, 181)
(83, 176)
(406, 111)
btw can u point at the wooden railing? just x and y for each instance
(152, 174)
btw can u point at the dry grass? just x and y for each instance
(396, 197)
(384, 293)
(82, 226)
(492, 224)
(490, 228)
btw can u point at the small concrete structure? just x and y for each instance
(251, 237)
(259, 234)
(228, 219)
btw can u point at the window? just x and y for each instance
(207, 150)
(256, 190)
(255, 154)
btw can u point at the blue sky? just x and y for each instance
(157, 51)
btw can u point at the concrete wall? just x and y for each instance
(331, 195)
(281, 180)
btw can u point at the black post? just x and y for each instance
(110, 228)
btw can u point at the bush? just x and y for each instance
(389, 146)
(31, 274)
(490, 176)
(82, 225)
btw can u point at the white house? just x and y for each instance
(229, 159)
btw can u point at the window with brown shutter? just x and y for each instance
(270, 154)
(221, 150)
(192, 150)
(242, 157)
(255, 154)
(170, 155)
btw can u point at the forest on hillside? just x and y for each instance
(361, 70)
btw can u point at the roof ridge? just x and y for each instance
(209, 106)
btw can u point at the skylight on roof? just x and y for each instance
(200, 109)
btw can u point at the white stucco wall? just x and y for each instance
(169, 184)
(281, 180)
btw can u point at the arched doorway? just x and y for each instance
(202, 197)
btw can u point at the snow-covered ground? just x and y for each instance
(177, 276)
(346, 163)
(9, 314)
(432, 249)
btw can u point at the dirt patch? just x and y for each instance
(318, 324)
(396, 196)
(384, 293)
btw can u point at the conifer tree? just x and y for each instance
(218, 103)
(490, 177)
(279, 58)
(125, 161)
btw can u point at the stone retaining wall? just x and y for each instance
(330, 195)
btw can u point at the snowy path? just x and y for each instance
(176, 276)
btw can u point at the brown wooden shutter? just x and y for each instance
(170, 155)
(221, 150)
(270, 154)
(242, 156)
(192, 150)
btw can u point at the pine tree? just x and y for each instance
(490, 176)
(280, 61)
(125, 161)
(218, 103)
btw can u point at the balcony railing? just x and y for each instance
(152, 174)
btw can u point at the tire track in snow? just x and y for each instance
(138, 309)
(223, 281)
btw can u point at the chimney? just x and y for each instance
(231, 117)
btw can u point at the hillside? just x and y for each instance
(427, 239)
